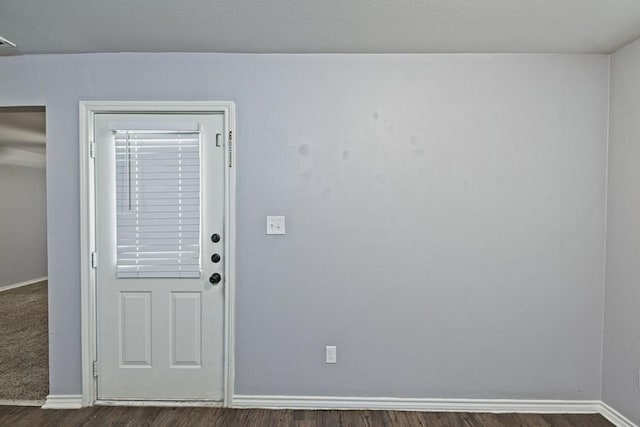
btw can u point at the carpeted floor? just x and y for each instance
(24, 343)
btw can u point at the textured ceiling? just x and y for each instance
(318, 26)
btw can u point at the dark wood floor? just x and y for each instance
(122, 416)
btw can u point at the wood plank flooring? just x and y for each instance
(131, 416)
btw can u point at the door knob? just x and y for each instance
(215, 278)
(215, 238)
(215, 258)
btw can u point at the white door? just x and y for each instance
(159, 250)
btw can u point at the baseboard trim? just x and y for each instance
(63, 401)
(20, 402)
(162, 403)
(19, 285)
(74, 401)
(419, 404)
(615, 417)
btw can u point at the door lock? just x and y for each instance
(215, 278)
(215, 238)
(215, 258)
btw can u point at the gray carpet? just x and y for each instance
(24, 343)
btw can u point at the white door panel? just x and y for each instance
(159, 319)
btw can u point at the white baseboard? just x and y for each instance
(74, 401)
(63, 401)
(162, 403)
(419, 404)
(20, 402)
(28, 282)
(615, 417)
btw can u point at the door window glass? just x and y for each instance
(158, 204)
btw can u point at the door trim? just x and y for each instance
(88, 239)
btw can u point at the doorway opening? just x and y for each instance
(24, 340)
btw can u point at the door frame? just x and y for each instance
(88, 236)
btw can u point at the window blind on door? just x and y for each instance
(158, 203)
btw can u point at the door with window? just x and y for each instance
(159, 249)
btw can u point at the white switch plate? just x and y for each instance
(331, 354)
(275, 225)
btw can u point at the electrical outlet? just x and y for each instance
(275, 225)
(331, 354)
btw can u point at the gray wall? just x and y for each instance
(622, 292)
(444, 215)
(23, 224)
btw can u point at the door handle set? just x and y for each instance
(215, 278)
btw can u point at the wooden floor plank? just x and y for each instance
(588, 420)
(521, 420)
(486, 420)
(557, 420)
(113, 416)
(329, 418)
(432, 419)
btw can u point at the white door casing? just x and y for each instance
(158, 339)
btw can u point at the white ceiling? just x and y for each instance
(318, 26)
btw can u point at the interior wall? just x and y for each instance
(23, 224)
(622, 325)
(444, 215)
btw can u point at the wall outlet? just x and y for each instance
(331, 354)
(275, 225)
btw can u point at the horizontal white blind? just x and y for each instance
(158, 203)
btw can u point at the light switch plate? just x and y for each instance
(331, 353)
(275, 225)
